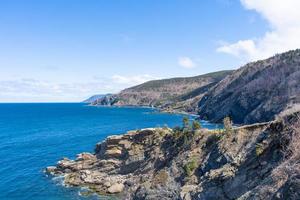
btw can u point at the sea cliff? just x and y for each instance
(259, 161)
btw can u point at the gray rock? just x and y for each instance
(116, 188)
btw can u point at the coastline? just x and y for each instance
(65, 161)
(160, 162)
(181, 112)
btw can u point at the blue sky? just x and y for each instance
(67, 50)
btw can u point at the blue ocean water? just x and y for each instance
(34, 136)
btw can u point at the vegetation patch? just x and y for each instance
(196, 125)
(213, 139)
(190, 167)
(259, 149)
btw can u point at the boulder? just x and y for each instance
(113, 153)
(85, 156)
(107, 184)
(51, 170)
(116, 188)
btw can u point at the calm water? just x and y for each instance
(33, 136)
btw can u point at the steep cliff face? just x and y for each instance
(259, 161)
(256, 92)
(167, 93)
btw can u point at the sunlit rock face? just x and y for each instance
(258, 161)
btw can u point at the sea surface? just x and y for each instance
(34, 136)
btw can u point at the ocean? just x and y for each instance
(36, 135)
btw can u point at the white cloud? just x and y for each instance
(32, 90)
(239, 48)
(186, 62)
(132, 80)
(283, 17)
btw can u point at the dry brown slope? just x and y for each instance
(166, 92)
(256, 92)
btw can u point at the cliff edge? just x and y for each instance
(259, 161)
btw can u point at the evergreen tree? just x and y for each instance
(186, 123)
(196, 125)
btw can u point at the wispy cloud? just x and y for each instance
(283, 17)
(186, 62)
(239, 49)
(33, 90)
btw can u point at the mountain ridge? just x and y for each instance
(164, 94)
(256, 92)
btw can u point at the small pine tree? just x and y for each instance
(186, 123)
(227, 124)
(177, 131)
(196, 125)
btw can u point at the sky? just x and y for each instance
(68, 50)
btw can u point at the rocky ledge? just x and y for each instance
(259, 161)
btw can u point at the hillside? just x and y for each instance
(94, 98)
(256, 92)
(165, 93)
(256, 161)
(259, 161)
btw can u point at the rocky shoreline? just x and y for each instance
(113, 168)
(161, 163)
(158, 109)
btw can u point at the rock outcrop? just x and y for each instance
(259, 161)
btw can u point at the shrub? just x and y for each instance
(186, 123)
(177, 132)
(161, 132)
(190, 167)
(227, 124)
(196, 125)
(259, 149)
(212, 139)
